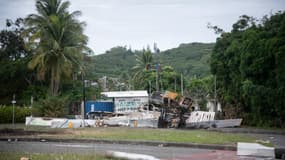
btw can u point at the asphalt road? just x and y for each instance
(163, 153)
(274, 136)
(81, 148)
(277, 140)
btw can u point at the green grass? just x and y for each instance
(46, 156)
(161, 135)
(29, 128)
(142, 134)
(9, 125)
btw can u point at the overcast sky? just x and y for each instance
(137, 23)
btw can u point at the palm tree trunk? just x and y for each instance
(52, 81)
(54, 84)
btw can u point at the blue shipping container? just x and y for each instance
(94, 106)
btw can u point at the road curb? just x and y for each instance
(148, 143)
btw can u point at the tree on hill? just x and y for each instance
(191, 59)
(59, 41)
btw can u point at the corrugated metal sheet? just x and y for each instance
(125, 94)
(95, 106)
(170, 95)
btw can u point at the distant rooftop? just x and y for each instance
(125, 94)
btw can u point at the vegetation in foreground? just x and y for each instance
(249, 65)
(53, 156)
(161, 135)
(143, 134)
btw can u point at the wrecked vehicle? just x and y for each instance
(174, 111)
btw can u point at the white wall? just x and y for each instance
(129, 104)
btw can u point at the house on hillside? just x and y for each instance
(127, 101)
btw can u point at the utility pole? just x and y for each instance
(149, 89)
(175, 83)
(32, 102)
(105, 83)
(13, 102)
(161, 86)
(182, 84)
(215, 83)
(157, 84)
(83, 94)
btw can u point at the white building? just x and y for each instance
(127, 101)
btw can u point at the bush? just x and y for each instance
(54, 106)
(6, 114)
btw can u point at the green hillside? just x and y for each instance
(191, 59)
(112, 63)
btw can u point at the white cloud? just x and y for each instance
(140, 22)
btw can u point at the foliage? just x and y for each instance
(190, 59)
(144, 62)
(15, 76)
(147, 74)
(12, 44)
(201, 89)
(6, 113)
(59, 41)
(37, 91)
(113, 62)
(249, 64)
(53, 106)
(29, 43)
(121, 62)
(55, 156)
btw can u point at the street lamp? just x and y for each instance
(13, 102)
(83, 94)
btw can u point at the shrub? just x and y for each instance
(6, 114)
(54, 106)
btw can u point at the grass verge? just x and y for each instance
(48, 156)
(161, 135)
(137, 134)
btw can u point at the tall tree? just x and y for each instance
(249, 65)
(58, 39)
(14, 74)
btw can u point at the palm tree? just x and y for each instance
(144, 63)
(59, 40)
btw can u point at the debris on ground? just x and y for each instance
(138, 109)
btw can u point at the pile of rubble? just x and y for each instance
(164, 110)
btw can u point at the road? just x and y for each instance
(277, 140)
(81, 148)
(165, 153)
(277, 137)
